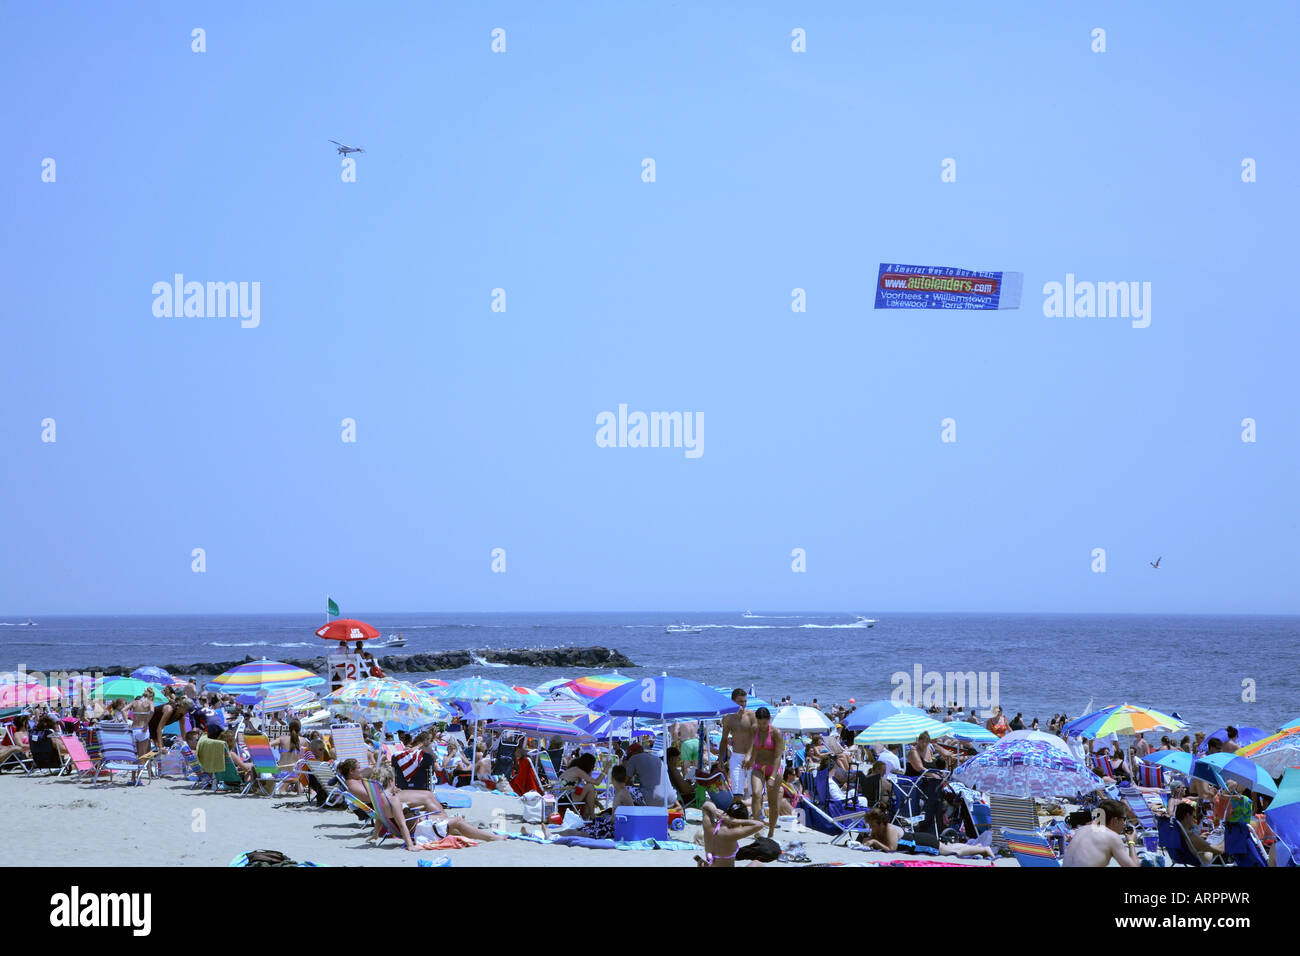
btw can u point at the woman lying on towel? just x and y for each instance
(443, 824)
(892, 839)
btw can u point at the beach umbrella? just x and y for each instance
(801, 720)
(346, 630)
(477, 689)
(586, 689)
(288, 698)
(255, 677)
(432, 683)
(550, 685)
(1245, 736)
(1050, 739)
(1220, 768)
(562, 707)
(1275, 753)
(963, 730)
(1291, 726)
(1125, 719)
(154, 675)
(1027, 768)
(482, 710)
(125, 688)
(604, 728)
(393, 703)
(900, 729)
(539, 725)
(1283, 814)
(1179, 761)
(751, 701)
(27, 695)
(13, 677)
(868, 714)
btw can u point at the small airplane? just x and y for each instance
(1155, 564)
(344, 150)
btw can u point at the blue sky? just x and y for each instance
(522, 171)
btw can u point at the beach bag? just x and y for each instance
(537, 808)
(762, 849)
(269, 858)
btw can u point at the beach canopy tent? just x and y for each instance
(1275, 753)
(963, 730)
(256, 677)
(1180, 761)
(801, 720)
(1283, 814)
(394, 703)
(1245, 736)
(1121, 719)
(868, 714)
(1027, 768)
(1218, 769)
(900, 729)
(346, 631)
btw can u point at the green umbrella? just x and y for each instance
(127, 688)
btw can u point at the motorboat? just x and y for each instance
(393, 640)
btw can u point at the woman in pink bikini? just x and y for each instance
(722, 835)
(766, 761)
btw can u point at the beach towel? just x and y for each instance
(448, 843)
(935, 863)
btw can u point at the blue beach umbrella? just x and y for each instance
(604, 728)
(1283, 814)
(542, 726)
(1220, 768)
(1180, 761)
(963, 730)
(154, 675)
(751, 702)
(878, 710)
(664, 698)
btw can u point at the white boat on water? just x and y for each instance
(749, 614)
(682, 629)
(869, 622)
(393, 640)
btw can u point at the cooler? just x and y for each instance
(640, 823)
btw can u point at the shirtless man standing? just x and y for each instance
(1098, 843)
(738, 731)
(141, 711)
(767, 766)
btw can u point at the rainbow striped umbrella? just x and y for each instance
(1276, 753)
(1291, 726)
(430, 683)
(287, 698)
(256, 677)
(391, 702)
(25, 695)
(586, 689)
(1125, 719)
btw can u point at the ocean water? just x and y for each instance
(1199, 666)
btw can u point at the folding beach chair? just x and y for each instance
(78, 760)
(918, 803)
(1134, 800)
(45, 756)
(1030, 848)
(821, 813)
(119, 755)
(1240, 847)
(1018, 813)
(323, 771)
(266, 766)
(503, 765)
(1186, 854)
(1150, 775)
(10, 739)
(350, 744)
(385, 824)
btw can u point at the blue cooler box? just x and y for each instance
(640, 823)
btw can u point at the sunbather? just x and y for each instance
(1096, 844)
(886, 836)
(141, 710)
(21, 743)
(443, 824)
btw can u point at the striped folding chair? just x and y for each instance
(1018, 813)
(1029, 847)
(1150, 775)
(266, 766)
(119, 755)
(349, 744)
(1101, 766)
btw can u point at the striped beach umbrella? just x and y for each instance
(1027, 768)
(478, 690)
(1276, 753)
(1292, 725)
(865, 715)
(964, 730)
(431, 683)
(539, 725)
(562, 707)
(288, 698)
(586, 689)
(256, 677)
(1125, 719)
(602, 727)
(551, 685)
(900, 729)
(382, 700)
(27, 695)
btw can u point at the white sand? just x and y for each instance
(62, 822)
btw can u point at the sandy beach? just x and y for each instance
(63, 822)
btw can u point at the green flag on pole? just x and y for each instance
(333, 608)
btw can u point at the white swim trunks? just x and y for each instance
(737, 775)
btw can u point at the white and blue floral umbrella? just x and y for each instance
(1027, 768)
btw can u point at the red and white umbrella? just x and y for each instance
(346, 630)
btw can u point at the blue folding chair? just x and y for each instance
(1030, 848)
(1240, 847)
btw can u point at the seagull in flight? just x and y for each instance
(344, 150)
(1155, 564)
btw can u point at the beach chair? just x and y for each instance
(1030, 848)
(917, 803)
(1018, 813)
(1240, 847)
(45, 755)
(10, 739)
(78, 760)
(1185, 854)
(350, 744)
(834, 817)
(324, 773)
(1101, 766)
(1150, 775)
(385, 824)
(266, 766)
(1134, 800)
(119, 755)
